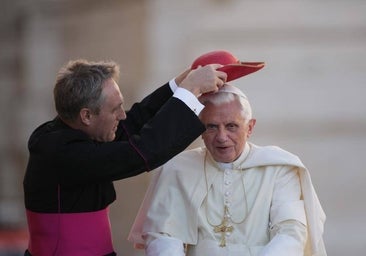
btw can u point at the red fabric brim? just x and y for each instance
(235, 71)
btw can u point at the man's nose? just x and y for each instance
(221, 135)
(122, 115)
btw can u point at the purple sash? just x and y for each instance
(71, 234)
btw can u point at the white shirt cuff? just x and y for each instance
(173, 85)
(282, 244)
(187, 97)
(287, 238)
(162, 245)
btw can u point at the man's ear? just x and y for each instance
(251, 126)
(85, 116)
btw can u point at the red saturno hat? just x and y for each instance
(233, 67)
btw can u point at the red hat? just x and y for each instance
(233, 67)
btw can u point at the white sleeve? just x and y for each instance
(287, 203)
(186, 96)
(287, 238)
(163, 245)
(288, 231)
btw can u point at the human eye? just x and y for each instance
(211, 127)
(232, 127)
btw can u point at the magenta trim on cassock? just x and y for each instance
(72, 234)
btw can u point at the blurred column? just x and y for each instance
(28, 51)
(11, 97)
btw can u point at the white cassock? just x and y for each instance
(271, 207)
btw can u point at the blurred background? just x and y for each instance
(309, 99)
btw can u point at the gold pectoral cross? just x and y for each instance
(223, 228)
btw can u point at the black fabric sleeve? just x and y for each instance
(69, 157)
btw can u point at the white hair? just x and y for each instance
(226, 96)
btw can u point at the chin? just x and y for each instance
(225, 158)
(112, 137)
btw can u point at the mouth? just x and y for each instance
(223, 148)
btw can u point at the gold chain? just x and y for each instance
(225, 207)
(224, 227)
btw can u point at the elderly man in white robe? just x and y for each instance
(230, 197)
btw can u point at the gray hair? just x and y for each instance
(79, 84)
(228, 95)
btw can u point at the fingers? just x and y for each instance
(202, 79)
(215, 66)
(220, 78)
(219, 74)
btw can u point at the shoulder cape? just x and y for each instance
(179, 184)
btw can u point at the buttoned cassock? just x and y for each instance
(280, 198)
(68, 184)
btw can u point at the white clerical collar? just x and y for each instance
(237, 163)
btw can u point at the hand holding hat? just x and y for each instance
(210, 71)
(202, 80)
(232, 66)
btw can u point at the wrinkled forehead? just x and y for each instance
(228, 112)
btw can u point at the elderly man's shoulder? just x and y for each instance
(273, 155)
(270, 149)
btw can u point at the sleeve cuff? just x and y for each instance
(187, 97)
(282, 244)
(282, 211)
(164, 246)
(173, 85)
